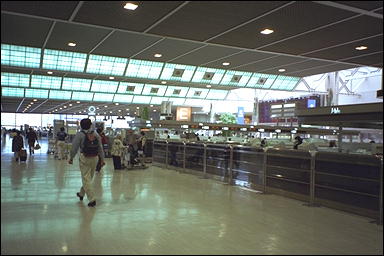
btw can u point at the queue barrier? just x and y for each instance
(342, 181)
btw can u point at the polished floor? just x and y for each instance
(160, 211)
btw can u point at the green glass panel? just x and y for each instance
(60, 95)
(46, 82)
(144, 69)
(21, 56)
(12, 92)
(76, 84)
(106, 65)
(14, 79)
(62, 60)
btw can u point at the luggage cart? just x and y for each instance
(51, 146)
(138, 160)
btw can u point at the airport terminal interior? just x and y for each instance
(226, 127)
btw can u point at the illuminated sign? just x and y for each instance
(335, 110)
(183, 114)
(92, 110)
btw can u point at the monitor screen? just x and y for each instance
(311, 103)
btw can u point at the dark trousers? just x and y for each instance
(98, 166)
(116, 162)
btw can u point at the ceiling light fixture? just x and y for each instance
(111, 77)
(154, 110)
(281, 70)
(105, 106)
(267, 31)
(72, 44)
(209, 86)
(130, 6)
(163, 82)
(31, 103)
(70, 105)
(362, 47)
(116, 104)
(77, 101)
(151, 105)
(49, 72)
(226, 63)
(34, 99)
(158, 55)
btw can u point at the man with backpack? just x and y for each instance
(61, 135)
(91, 149)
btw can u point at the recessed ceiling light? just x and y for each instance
(119, 110)
(34, 99)
(154, 110)
(281, 70)
(209, 86)
(158, 55)
(70, 105)
(130, 6)
(31, 103)
(65, 106)
(77, 101)
(72, 44)
(49, 72)
(97, 108)
(105, 106)
(362, 47)
(226, 63)
(137, 107)
(134, 113)
(110, 111)
(267, 31)
(151, 105)
(163, 82)
(111, 77)
(61, 108)
(116, 104)
(55, 109)
(127, 109)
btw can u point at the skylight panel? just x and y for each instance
(261, 81)
(285, 83)
(104, 86)
(36, 93)
(208, 75)
(106, 65)
(62, 60)
(60, 95)
(236, 78)
(121, 98)
(144, 69)
(176, 91)
(153, 89)
(88, 96)
(14, 79)
(12, 92)
(104, 97)
(46, 82)
(177, 101)
(21, 56)
(158, 100)
(141, 99)
(197, 93)
(217, 94)
(76, 84)
(177, 72)
(130, 88)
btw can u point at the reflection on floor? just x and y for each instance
(159, 211)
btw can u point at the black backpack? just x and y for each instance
(91, 145)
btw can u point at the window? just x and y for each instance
(130, 88)
(236, 78)
(177, 72)
(62, 60)
(21, 56)
(46, 82)
(104, 86)
(76, 84)
(14, 79)
(12, 92)
(106, 65)
(144, 69)
(208, 75)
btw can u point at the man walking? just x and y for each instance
(91, 147)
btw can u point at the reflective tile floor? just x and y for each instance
(160, 211)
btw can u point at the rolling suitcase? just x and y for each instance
(23, 155)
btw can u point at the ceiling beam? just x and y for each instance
(166, 16)
(308, 31)
(249, 21)
(350, 8)
(101, 41)
(146, 48)
(19, 105)
(179, 39)
(76, 10)
(39, 105)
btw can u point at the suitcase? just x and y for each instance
(23, 155)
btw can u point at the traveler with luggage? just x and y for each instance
(89, 143)
(61, 145)
(117, 152)
(17, 147)
(32, 138)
